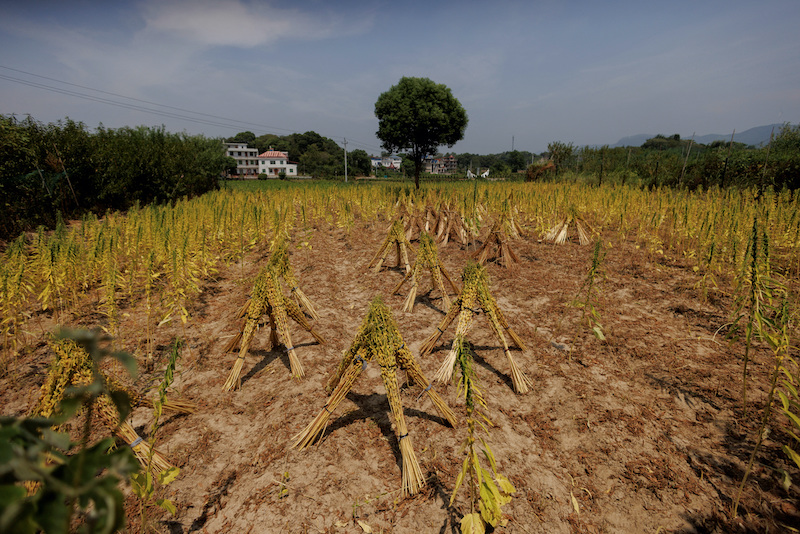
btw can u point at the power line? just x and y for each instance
(73, 93)
(202, 118)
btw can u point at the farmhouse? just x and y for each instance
(386, 162)
(443, 165)
(272, 162)
(246, 160)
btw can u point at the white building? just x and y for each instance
(272, 162)
(246, 160)
(387, 162)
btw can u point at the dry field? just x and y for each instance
(640, 433)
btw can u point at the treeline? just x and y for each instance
(315, 155)
(63, 168)
(675, 162)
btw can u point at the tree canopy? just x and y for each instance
(418, 115)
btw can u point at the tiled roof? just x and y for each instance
(277, 154)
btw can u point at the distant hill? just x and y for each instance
(754, 136)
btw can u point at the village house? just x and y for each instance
(246, 160)
(386, 162)
(442, 165)
(272, 162)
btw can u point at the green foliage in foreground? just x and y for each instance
(63, 475)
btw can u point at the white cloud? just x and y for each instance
(239, 24)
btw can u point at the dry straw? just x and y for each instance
(378, 340)
(496, 246)
(450, 225)
(396, 237)
(559, 234)
(72, 367)
(279, 259)
(267, 298)
(427, 260)
(474, 298)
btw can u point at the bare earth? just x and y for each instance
(639, 434)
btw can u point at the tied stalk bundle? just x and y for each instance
(450, 225)
(379, 340)
(396, 237)
(427, 260)
(474, 298)
(267, 298)
(559, 234)
(279, 259)
(72, 367)
(496, 248)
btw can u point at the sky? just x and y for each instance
(527, 73)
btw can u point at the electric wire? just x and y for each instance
(203, 118)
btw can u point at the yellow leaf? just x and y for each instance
(340, 524)
(167, 505)
(505, 485)
(365, 527)
(575, 504)
(472, 524)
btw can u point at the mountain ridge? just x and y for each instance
(758, 135)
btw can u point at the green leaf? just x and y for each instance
(460, 479)
(167, 476)
(167, 505)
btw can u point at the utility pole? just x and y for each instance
(512, 143)
(345, 160)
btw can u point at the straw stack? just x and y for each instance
(427, 260)
(70, 360)
(279, 259)
(396, 237)
(72, 367)
(496, 247)
(559, 233)
(267, 298)
(450, 225)
(146, 455)
(378, 340)
(475, 297)
(257, 306)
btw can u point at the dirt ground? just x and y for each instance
(642, 433)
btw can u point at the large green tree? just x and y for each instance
(418, 115)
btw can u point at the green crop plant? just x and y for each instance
(142, 482)
(587, 298)
(757, 293)
(776, 333)
(488, 490)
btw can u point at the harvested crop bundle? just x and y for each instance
(396, 237)
(427, 260)
(378, 340)
(475, 294)
(267, 298)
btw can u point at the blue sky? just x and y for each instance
(586, 72)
